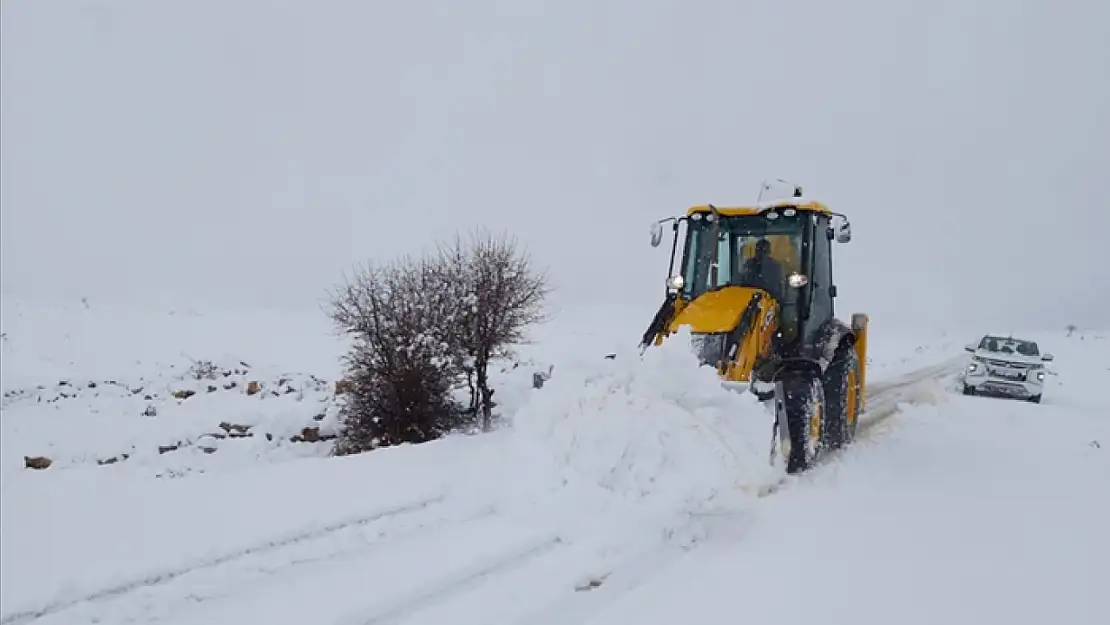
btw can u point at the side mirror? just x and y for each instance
(1047, 357)
(656, 234)
(969, 348)
(844, 232)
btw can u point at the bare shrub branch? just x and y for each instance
(500, 295)
(401, 366)
(422, 327)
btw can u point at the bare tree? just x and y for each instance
(422, 327)
(499, 295)
(402, 363)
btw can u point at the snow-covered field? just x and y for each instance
(624, 491)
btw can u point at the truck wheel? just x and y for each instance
(803, 411)
(843, 397)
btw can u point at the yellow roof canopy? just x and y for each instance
(800, 204)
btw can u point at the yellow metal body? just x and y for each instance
(859, 325)
(739, 211)
(715, 311)
(747, 319)
(756, 344)
(721, 310)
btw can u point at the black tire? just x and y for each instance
(843, 398)
(969, 390)
(1036, 399)
(804, 408)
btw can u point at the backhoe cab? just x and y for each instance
(755, 287)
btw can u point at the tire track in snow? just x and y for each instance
(883, 399)
(598, 590)
(884, 396)
(460, 581)
(30, 615)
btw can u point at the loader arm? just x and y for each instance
(661, 320)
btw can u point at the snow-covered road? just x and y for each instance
(427, 560)
(624, 491)
(957, 515)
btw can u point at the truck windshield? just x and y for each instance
(1000, 345)
(748, 250)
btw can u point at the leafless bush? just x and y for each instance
(423, 327)
(500, 294)
(401, 364)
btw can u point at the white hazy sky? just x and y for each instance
(249, 151)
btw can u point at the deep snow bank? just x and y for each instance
(45, 340)
(656, 440)
(170, 393)
(1080, 371)
(172, 420)
(70, 534)
(96, 383)
(616, 458)
(974, 510)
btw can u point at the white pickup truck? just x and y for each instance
(1006, 367)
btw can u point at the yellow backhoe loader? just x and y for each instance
(755, 287)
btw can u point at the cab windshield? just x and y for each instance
(1008, 345)
(749, 250)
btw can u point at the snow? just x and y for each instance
(648, 442)
(83, 385)
(625, 490)
(970, 511)
(44, 338)
(240, 160)
(95, 531)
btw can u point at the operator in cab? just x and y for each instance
(763, 271)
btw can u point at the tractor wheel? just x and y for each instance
(844, 398)
(803, 408)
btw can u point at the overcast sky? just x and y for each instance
(249, 151)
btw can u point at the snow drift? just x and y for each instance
(656, 440)
(614, 467)
(615, 458)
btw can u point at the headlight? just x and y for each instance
(797, 280)
(972, 367)
(675, 283)
(1040, 376)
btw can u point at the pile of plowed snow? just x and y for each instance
(657, 438)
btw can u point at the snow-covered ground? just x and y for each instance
(624, 491)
